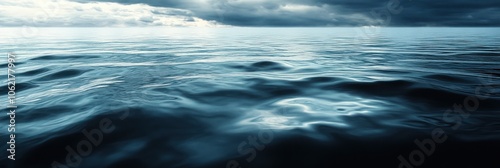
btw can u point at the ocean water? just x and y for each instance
(254, 97)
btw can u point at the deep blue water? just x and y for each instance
(259, 97)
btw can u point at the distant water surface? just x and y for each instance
(311, 97)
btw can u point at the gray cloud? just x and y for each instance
(358, 12)
(327, 12)
(48, 13)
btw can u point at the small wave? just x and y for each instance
(64, 57)
(34, 72)
(69, 73)
(262, 66)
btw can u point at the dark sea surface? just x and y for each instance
(254, 97)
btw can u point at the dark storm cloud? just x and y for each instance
(450, 13)
(338, 12)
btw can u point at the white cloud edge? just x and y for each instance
(64, 13)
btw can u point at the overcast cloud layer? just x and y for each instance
(251, 13)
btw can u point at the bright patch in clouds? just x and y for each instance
(67, 13)
(299, 8)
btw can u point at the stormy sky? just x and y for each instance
(279, 13)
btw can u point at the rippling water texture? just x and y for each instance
(257, 97)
